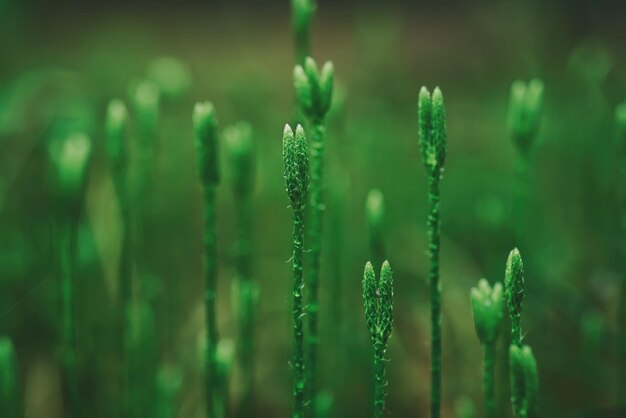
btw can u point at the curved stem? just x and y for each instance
(435, 295)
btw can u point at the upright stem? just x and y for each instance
(435, 295)
(315, 236)
(379, 384)
(247, 299)
(210, 266)
(67, 246)
(298, 313)
(489, 364)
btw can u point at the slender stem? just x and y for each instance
(489, 364)
(210, 266)
(380, 383)
(298, 313)
(435, 295)
(67, 247)
(315, 236)
(247, 299)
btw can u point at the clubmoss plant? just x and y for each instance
(524, 381)
(240, 150)
(10, 394)
(302, 12)
(487, 308)
(378, 296)
(70, 157)
(524, 120)
(296, 172)
(375, 216)
(205, 128)
(314, 90)
(433, 138)
(514, 292)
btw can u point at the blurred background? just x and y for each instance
(61, 63)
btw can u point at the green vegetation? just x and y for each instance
(296, 172)
(314, 90)
(432, 141)
(487, 309)
(524, 381)
(10, 392)
(378, 296)
(205, 128)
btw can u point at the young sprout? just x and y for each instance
(432, 141)
(514, 292)
(524, 381)
(375, 216)
(378, 297)
(205, 128)
(525, 108)
(314, 90)
(296, 172)
(302, 12)
(10, 393)
(487, 308)
(240, 151)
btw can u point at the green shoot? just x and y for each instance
(70, 156)
(314, 90)
(433, 138)
(240, 150)
(514, 292)
(10, 396)
(524, 381)
(378, 297)
(487, 308)
(525, 108)
(205, 128)
(171, 75)
(302, 12)
(375, 216)
(296, 172)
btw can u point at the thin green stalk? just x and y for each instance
(302, 12)
(70, 157)
(432, 134)
(240, 149)
(378, 298)
(296, 169)
(205, 127)
(620, 124)
(10, 393)
(314, 92)
(524, 381)
(489, 371)
(487, 310)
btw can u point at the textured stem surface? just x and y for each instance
(67, 246)
(315, 239)
(298, 313)
(379, 383)
(489, 365)
(210, 265)
(435, 296)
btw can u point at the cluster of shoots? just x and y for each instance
(525, 108)
(378, 298)
(296, 173)
(433, 146)
(314, 91)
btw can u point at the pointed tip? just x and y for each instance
(300, 131)
(424, 93)
(369, 268)
(287, 131)
(437, 96)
